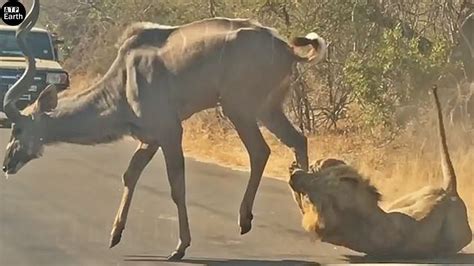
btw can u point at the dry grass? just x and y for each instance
(404, 165)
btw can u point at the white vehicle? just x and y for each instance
(12, 63)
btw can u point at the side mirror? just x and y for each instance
(59, 55)
(58, 41)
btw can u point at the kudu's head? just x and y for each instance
(26, 139)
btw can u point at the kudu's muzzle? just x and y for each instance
(15, 158)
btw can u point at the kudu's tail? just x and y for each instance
(449, 176)
(318, 47)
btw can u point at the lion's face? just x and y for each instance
(331, 192)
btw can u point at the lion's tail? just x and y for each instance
(449, 175)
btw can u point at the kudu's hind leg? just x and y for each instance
(174, 159)
(277, 122)
(140, 159)
(259, 152)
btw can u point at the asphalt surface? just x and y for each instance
(60, 208)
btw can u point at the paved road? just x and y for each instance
(59, 210)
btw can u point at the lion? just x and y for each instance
(341, 207)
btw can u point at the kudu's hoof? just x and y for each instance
(245, 228)
(245, 224)
(176, 255)
(115, 239)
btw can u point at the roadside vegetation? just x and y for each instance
(367, 103)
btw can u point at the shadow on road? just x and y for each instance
(227, 262)
(456, 259)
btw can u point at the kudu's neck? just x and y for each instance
(96, 115)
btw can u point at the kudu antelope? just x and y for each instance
(161, 76)
(342, 207)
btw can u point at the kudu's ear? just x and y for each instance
(47, 100)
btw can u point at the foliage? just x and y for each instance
(394, 73)
(384, 54)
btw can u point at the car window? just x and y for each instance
(39, 42)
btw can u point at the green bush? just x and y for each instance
(395, 72)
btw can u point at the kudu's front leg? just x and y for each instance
(140, 159)
(174, 159)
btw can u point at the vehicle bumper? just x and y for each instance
(9, 77)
